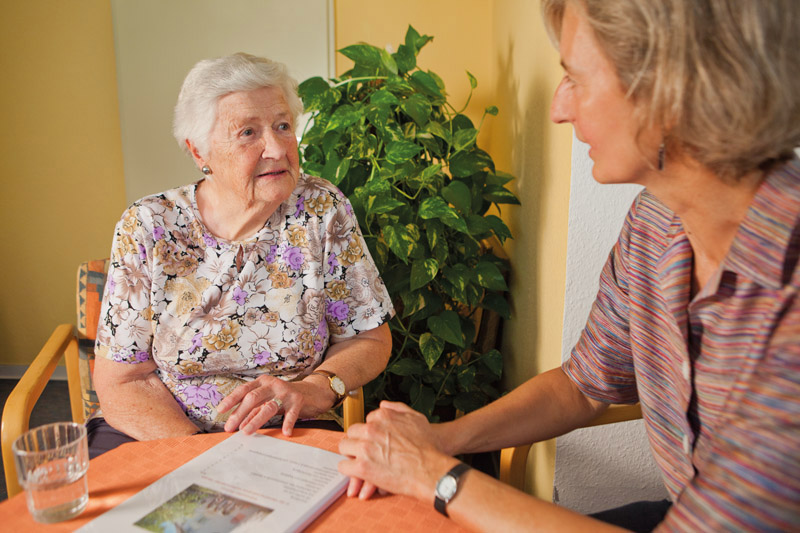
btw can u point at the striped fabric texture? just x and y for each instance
(718, 375)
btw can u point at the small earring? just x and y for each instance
(206, 170)
(661, 157)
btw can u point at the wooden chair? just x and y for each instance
(77, 349)
(513, 461)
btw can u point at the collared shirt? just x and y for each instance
(717, 375)
(213, 314)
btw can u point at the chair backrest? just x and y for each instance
(91, 282)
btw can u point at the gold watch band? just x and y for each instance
(336, 384)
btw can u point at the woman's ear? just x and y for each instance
(198, 159)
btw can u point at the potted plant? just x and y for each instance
(386, 135)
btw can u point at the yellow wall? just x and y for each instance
(505, 46)
(60, 149)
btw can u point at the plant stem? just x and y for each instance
(363, 78)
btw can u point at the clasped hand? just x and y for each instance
(257, 401)
(396, 451)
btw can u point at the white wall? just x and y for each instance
(602, 467)
(157, 42)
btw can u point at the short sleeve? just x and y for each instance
(124, 333)
(601, 363)
(356, 299)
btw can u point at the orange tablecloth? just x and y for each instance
(119, 474)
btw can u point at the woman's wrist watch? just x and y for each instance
(336, 383)
(447, 487)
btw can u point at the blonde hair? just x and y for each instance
(721, 77)
(211, 79)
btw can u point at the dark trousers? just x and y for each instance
(641, 517)
(102, 437)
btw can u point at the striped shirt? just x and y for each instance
(718, 375)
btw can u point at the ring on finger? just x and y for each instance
(278, 402)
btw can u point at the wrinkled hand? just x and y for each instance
(259, 400)
(395, 451)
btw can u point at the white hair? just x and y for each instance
(211, 79)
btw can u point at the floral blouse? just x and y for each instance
(178, 295)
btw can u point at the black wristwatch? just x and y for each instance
(447, 487)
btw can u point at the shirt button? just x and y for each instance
(686, 445)
(687, 370)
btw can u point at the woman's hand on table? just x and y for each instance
(257, 401)
(396, 451)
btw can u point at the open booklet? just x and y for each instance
(244, 483)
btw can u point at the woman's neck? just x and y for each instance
(711, 210)
(227, 218)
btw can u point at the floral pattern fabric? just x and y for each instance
(213, 314)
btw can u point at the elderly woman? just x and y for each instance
(698, 312)
(246, 295)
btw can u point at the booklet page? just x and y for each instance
(244, 483)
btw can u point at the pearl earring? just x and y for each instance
(206, 170)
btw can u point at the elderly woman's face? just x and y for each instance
(592, 99)
(253, 148)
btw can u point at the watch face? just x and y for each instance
(338, 385)
(446, 487)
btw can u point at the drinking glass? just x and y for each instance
(51, 462)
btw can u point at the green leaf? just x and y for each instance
(405, 58)
(497, 303)
(440, 131)
(488, 275)
(468, 402)
(499, 178)
(431, 348)
(499, 195)
(459, 195)
(464, 164)
(414, 40)
(388, 62)
(423, 399)
(317, 94)
(492, 110)
(383, 204)
(459, 276)
(406, 367)
(383, 96)
(343, 117)
(401, 151)
(447, 326)
(425, 83)
(478, 226)
(435, 207)
(423, 272)
(341, 171)
(364, 55)
(418, 108)
(434, 231)
(466, 377)
(472, 81)
(498, 227)
(398, 240)
(429, 172)
(493, 360)
(464, 138)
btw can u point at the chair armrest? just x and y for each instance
(17, 411)
(513, 460)
(617, 413)
(512, 465)
(353, 408)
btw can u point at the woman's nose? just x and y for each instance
(560, 106)
(273, 147)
